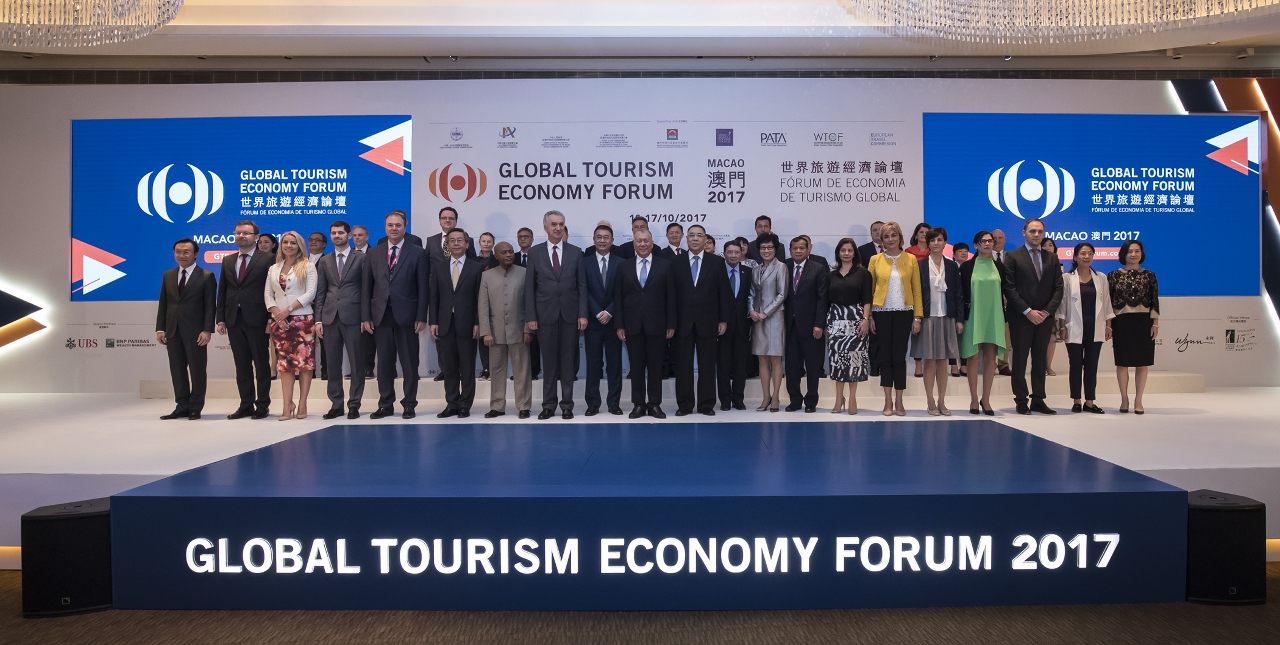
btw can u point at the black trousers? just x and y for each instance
(535, 357)
(646, 353)
(396, 342)
(803, 352)
(705, 347)
(484, 358)
(457, 353)
(370, 349)
(249, 351)
(1084, 367)
(893, 330)
(342, 339)
(558, 342)
(188, 368)
(321, 363)
(604, 358)
(1033, 339)
(734, 349)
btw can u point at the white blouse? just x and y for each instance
(282, 298)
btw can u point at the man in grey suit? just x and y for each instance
(503, 329)
(184, 324)
(396, 284)
(340, 290)
(555, 299)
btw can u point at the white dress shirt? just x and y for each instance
(701, 260)
(559, 249)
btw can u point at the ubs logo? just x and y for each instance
(1056, 189)
(157, 193)
(81, 343)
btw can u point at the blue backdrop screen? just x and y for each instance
(139, 185)
(1168, 181)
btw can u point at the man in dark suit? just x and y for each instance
(1033, 288)
(360, 243)
(396, 284)
(339, 311)
(735, 345)
(645, 304)
(455, 292)
(805, 317)
(669, 251)
(184, 324)
(873, 247)
(604, 348)
(764, 224)
(524, 239)
(703, 305)
(436, 245)
(242, 316)
(627, 250)
(555, 300)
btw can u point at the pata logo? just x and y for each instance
(1057, 190)
(157, 193)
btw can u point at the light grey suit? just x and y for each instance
(556, 300)
(502, 316)
(338, 307)
(768, 294)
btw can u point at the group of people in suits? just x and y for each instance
(672, 307)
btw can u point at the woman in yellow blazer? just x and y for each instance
(895, 313)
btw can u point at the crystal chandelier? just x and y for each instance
(43, 24)
(1026, 22)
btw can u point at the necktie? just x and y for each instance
(795, 282)
(391, 261)
(342, 257)
(455, 274)
(244, 261)
(695, 270)
(182, 281)
(604, 269)
(1035, 259)
(733, 280)
(644, 271)
(555, 260)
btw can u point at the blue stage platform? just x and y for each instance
(650, 516)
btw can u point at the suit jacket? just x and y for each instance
(807, 304)
(187, 315)
(865, 252)
(1022, 288)
(341, 300)
(740, 305)
(404, 288)
(456, 309)
(521, 260)
(548, 297)
(614, 249)
(703, 307)
(753, 250)
(665, 252)
(248, 296)
(436, 252)
(650, 309)
(627, 250)
(953, 296)
(501, 305)
(408, 237)
(600, 291)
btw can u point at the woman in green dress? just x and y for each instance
(981, 284)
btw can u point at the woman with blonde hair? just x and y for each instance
(291, 286)
(896, 309)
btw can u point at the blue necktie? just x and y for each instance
(695, 270)
(644, 271)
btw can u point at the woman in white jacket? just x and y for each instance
(1086, 308)
(291, 286)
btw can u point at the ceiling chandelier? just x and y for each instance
(41, 24)
(1025, 22)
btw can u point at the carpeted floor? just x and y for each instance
(1163, 624)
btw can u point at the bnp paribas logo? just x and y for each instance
(15, 318)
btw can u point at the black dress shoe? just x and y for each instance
(680, 412)
(493, 414)
(439, 377)
(793, 407)
(194, 416)
(811, 410)
(353, 413)
(446, 413)
(709, 412)
(724, 407)
(462, 414)
(260, 414)
(545, 414)
(637, 412)
(176, 414)
(1040, 407)
(656, 412)
(332, 414)
(369, 374)
(615, 410)
(1076, 407)
(240, 414)
(1094, 409)
(566, 415)
(739, 406)
(591, 412)
(408, 414)
(1023, 409)
(382, 412)
(524, 414)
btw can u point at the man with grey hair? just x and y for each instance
(555, 301)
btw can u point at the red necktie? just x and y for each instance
(182, 281)
(555, 260)
(391, 261)
(244, 262)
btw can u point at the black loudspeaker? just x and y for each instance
(1226, 549)
(66, 559)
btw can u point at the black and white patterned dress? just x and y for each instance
(846, 351)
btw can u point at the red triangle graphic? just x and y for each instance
(79, 250)
(1234, 156)
(389, 155)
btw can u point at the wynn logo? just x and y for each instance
(1056, 190)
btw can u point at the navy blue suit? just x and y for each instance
(604, 350)
(397, 299)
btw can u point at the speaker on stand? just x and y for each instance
(66, 559)
(1226, 549)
